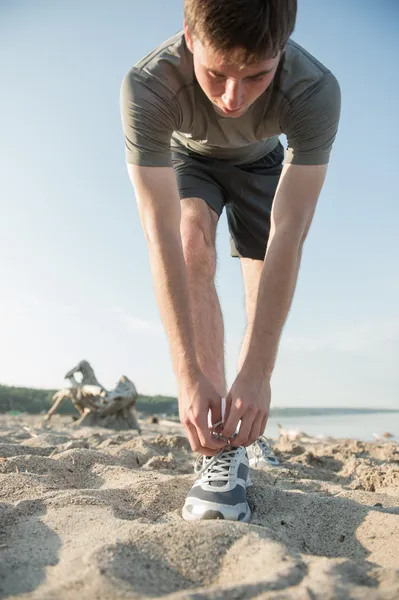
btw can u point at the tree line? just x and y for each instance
(36, 401)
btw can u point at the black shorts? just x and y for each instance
(247, 191)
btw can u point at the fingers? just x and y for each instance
(263, 424)
(200, 437)
(204, 434)
(256, 431)
(216, 412)
(227, 409)
(233, 419)
(245, 428)
(235, 410)
(195, 442)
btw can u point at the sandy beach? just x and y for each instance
(94, 514)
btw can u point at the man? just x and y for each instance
(201, 117)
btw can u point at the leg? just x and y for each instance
(198, 231)
(248, 216)
(251, 271)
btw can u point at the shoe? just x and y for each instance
(260, 454)
(220, 490)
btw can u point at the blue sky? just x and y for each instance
(74, 270)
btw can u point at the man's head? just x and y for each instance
(236, 46)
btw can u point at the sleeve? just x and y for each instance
(310, 123)
(149, 113)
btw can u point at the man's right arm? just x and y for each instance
(159, 208)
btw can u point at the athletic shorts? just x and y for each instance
(246, 190)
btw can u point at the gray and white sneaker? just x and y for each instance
(220, 490)
(260, 454)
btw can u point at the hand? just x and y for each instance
(196, 398)
(248, 401)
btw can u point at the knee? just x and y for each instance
(198, 240)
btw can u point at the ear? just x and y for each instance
(187, 36)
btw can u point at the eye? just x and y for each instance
(215, 76)
(256, 78)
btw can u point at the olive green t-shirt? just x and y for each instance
(164, 109)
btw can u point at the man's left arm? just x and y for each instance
(292, 213)
(291, 217)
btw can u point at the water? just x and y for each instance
(338, 423)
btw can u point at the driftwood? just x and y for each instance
(114, 409)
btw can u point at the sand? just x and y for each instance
(92, 514)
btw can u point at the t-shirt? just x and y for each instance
(164, 109)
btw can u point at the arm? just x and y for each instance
(159, 208)
(310, 124)
(150, 112)
(292, 213)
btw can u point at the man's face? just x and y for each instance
(231, 87)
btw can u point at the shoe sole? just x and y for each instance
(271, 465)
(212, 515)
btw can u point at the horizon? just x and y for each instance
(75, 272)
(272, 408)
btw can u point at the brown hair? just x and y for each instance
(258, 28)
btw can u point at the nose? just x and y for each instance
(232, 97)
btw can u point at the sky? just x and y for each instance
(74, 270)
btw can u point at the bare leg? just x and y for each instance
(251, 272)
(198, 230)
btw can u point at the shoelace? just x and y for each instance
(218, 466)
(263, 447)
